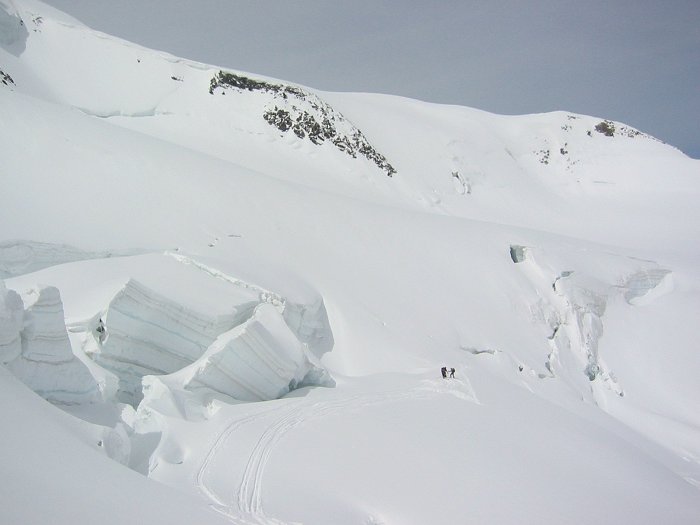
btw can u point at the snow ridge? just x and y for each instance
(306, 115)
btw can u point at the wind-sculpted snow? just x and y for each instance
(46, 363)
(147, 333)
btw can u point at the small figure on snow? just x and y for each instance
(452, 373)
(444, 372)
(101, 332)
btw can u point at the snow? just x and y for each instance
(11, 324)
(37, 349)
(226, 316)
(12, 28)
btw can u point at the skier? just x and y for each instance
(444, 372)
(452, 373)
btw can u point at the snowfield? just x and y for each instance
(227, 298)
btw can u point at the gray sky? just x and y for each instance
(636, 61)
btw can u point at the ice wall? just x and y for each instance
(574, 290)
(310, 324)
(257, 361)
(11, 321)
(46, 363)
(646, 284)
(147, 333)
(261, 359)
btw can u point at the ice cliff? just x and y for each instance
(197, 328)
(258, 360)
(35, 347)
(572, 304)
(147, 333)
(11, 321)
(261, 359)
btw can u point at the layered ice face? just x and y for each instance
(36, 348)
(147, 333)
(11, 321)
(175, 321)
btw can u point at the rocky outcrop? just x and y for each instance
(6, 79)
(291, 108)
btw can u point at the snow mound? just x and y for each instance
(46, 363)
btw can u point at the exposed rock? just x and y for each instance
(6, 79)
(307, 116)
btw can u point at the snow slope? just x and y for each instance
(260, 283)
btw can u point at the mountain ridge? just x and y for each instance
(551, 264)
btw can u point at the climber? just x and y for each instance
(452, 373)
(101, 332)
(444, 372)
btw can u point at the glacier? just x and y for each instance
(236, 318)
(46, 362)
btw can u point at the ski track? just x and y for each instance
(246, 505)
(219, 441)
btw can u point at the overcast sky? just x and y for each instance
(636, 61)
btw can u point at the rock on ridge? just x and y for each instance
(306, 115)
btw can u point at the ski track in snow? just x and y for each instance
(217, 503)
(248, 499)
